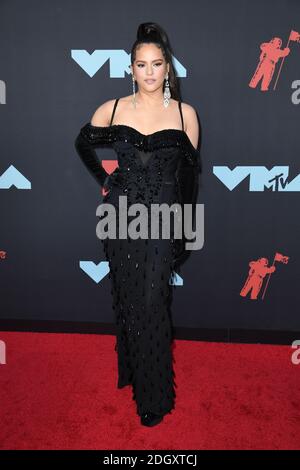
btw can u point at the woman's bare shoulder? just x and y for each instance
(189, 114)
(102, 115)
(191, 123)
(188, 110)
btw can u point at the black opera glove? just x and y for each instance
(188, 182)
(90, 159)
(116, 178)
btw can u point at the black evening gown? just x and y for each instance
(142, 270)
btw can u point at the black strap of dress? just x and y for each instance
(113, 113)
(179, 104)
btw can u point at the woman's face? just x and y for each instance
(149, 68)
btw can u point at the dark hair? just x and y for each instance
(153, 33)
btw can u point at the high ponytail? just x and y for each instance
(153, 33)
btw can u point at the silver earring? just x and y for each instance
(133, 91)
(167, 94)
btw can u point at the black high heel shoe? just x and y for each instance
(150, 419)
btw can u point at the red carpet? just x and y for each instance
(58, 391)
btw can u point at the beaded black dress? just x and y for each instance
(142, 271)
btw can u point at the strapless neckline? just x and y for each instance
(145, 136)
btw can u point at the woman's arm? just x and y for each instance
(191, 123)
(93, 135)
(89, 157)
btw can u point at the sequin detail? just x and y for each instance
(97, 135)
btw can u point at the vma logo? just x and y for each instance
(119, 62)
(13, 177)
(260, 178)
(99, 271)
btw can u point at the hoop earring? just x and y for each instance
(133, 91)
(167, 94)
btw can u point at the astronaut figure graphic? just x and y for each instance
(258, 270)
(269, 56)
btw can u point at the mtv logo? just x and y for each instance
(260, 178)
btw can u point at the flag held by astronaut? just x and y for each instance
(281, 258)
(294, 36)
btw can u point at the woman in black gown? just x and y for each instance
(161, 167)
